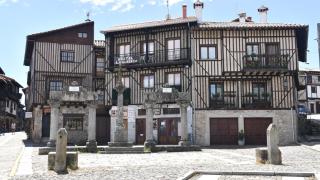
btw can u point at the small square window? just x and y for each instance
(67, 56)
(148, 81)
(82, 35)
(313, 89)
(208, 53)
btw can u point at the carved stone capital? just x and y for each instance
(54, 103)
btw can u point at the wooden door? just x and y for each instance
(168, 131)
(46, 125)
(223, 131)
(140, 131)
(312, 108)
(103, 129)
(255, 130)
(317, 107)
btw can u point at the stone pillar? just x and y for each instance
(60, 165)
(184, 101)
(120, 134)
(92, 143)
(149, 142)
(274, 153)
(37, 130)
(54, 122)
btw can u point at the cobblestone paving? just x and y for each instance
(174, 165)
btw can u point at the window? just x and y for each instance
(208, 53)
(67, 56)
(259, 91)
(174, 79)
(173, 49)
(252, 49)
(216, 91)
(124, 50)
(125, 82)
(82, 35)
(73, 122)
(309, 79)
(100, 66)
(150, 48)
(318, 78)
(148, 81)
(55, 85)
(313, 89)
(272, 49)
(171, 111)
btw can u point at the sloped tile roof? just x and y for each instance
(224, 25)
(150, 24)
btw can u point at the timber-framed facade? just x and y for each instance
(242, 76)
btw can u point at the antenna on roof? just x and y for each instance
(168, 15)
(88, 16)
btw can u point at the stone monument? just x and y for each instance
(60, 165)
(274, 153)
(121, 133)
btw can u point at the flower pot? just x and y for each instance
(241, 142)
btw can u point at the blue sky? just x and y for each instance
(22, 17)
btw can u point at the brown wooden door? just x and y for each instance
(223, 131)
(140, 131)
(168, 131)
(255, 130)
(103, 129)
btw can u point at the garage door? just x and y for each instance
(256, 130)
(224, 131)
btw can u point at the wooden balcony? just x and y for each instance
(227, 101)
(251, 101)
(265, 62)
(152, 59)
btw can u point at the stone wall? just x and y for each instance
(282, 118)
(76, 137)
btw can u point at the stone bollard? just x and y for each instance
(274, 153)
(60, 165)
(261, 156)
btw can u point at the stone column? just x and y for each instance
(92, 143)
(184, 101)
(37, 131)
(149, 142)
(54, 122)
(120, 134)
(274, 153)
(60, 165)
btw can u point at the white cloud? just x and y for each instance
(2, 2)
(116, 5)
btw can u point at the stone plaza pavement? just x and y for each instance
(18, 161)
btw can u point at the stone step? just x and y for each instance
(313, 138)
(121, 152)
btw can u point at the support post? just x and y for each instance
(92, 143)
(149, 142)
(54, 122)
(184, 101)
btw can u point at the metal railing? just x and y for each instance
(156, 57)
(260, 61)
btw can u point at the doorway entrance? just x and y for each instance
(168, 131)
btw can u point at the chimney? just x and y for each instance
(242, 17)
(184, 11)
(198, 7)
(263, 11)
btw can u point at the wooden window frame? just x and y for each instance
(83, 35)
(124, 44)
(253, 44)
(68, 52)
(167, 78)
(208, 46)
(142, 81)
(315, 89)
(273, 43)
(55, 81)
(100, 67)
(221, 95)
(142, 47)
(167, 48)
(259, 86)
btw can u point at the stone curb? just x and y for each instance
(250, 173)
(308, 147)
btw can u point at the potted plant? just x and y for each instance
(241, 140)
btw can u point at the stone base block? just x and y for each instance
(149, 146)
(261, 156)
(120, 144)
(275, 157)
(51, 143)
(72, 160)
(92, 146)
(184, 143)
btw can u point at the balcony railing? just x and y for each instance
(227, 101)
(271, 62)
(252, 101)
(176, 56)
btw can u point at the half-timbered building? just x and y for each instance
(242, 76)
(57, 59)
(10, 106)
